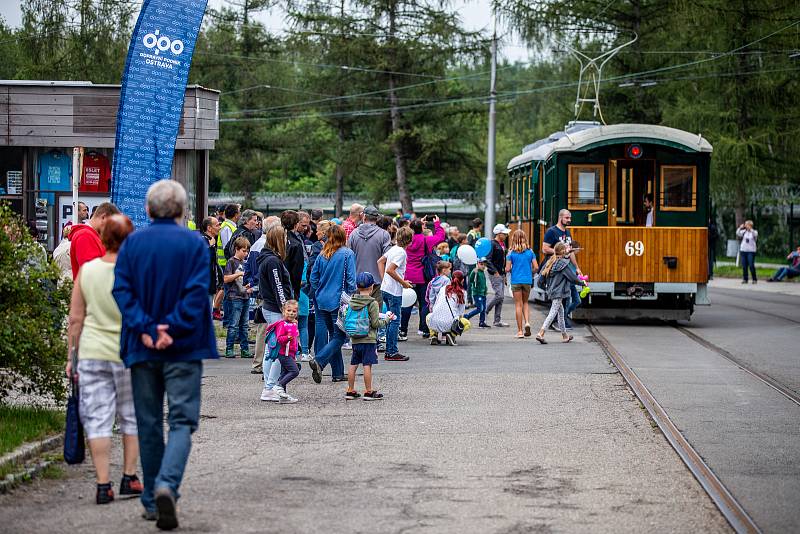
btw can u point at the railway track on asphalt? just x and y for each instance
(763, 377)
(733, 512)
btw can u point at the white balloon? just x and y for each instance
(409, 297)
(467, 254)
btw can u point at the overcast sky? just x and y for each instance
(474, 13)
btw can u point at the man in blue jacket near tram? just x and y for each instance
(161, 288)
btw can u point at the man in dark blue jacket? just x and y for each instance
(161, 287)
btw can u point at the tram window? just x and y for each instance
(678, 187)
(586, 187)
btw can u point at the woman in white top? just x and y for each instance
(449, 306)
(105, 384)
(747, 249)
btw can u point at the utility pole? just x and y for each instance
(488, 219)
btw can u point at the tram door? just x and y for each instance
(629, 182)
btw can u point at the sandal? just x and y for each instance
(566, 339)
(541, 340)
(527, 330)
(520, 335)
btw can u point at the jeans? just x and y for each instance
(480, 308)
(238, 325)
(302, 326)
(499, 287)
(393, 303)
(783, 272)
(320, 332)
(289, 370)
(226, 308)
(312, 331)
(332, 351)
(163, 465)
(420, 290)
(574, 300)
(748, 260)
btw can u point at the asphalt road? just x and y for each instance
(745, 431)
(497, 435)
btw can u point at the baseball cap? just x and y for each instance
(501, 229)
(371, 211)
(482, 259)
(365, 280)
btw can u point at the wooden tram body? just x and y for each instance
(602, 174)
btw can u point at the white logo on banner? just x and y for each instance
(161, 43)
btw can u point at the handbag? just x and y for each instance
(429, 261)
(74, 444)
(457, 328)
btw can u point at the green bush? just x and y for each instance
(33, 309)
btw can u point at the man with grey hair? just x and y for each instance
(352, 222)
(251, 277)
(161, 288)
(249, 223)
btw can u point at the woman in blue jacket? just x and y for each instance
(334, 271)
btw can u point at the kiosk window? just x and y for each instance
(586, 187)
(678, 187)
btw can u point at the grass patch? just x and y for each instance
(21, 424)
(731, 271)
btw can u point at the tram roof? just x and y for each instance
(581, 135)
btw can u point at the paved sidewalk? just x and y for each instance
(735, 284)
(496, 435)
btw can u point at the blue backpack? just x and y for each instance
(271, 346)
(356, 322)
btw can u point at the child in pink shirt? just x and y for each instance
(288, 336)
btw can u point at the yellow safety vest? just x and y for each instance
(221, 260)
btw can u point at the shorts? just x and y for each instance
(105, 391)
(520, 287)
(364, 354)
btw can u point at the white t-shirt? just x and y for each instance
(649, 221)
(396, 255)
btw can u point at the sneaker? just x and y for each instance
(501, 324)
(130, 485)
(381, 347)
(402, 336)
(421, 333)
(450, 340)
(305, 357)
(484, 325)
(347, 346)
(396, 357)
(149, 515)
(372, 396)
(217, 316)
(316, 370)
(278, 390)
(245, 354)
(256, 371)
(269, 395)
(229, 353)
(755, 282)
(744, 281)
(105, 493)
(342, 378)
(352, 395)
(527, 330)
(165, 504)
(288, 399)
(435, 340)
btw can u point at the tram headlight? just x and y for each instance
(635, 151)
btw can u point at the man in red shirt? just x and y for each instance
(85, 244)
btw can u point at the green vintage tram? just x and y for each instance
(602, 174)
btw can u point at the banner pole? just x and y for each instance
(77, 161)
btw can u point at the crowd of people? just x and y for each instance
(144, 304)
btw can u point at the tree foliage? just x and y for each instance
(33, 309)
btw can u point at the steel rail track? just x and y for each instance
(763, 377)
(733, 512)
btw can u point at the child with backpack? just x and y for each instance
(558, 280)
(477, 288)
(361, 322)
(282, 344)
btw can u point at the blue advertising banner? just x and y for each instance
(151, 100)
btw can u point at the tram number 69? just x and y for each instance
(632, 248)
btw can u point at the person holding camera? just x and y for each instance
(747, 249)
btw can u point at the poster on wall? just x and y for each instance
(64, 213)
(151, 100)
(14, 182)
